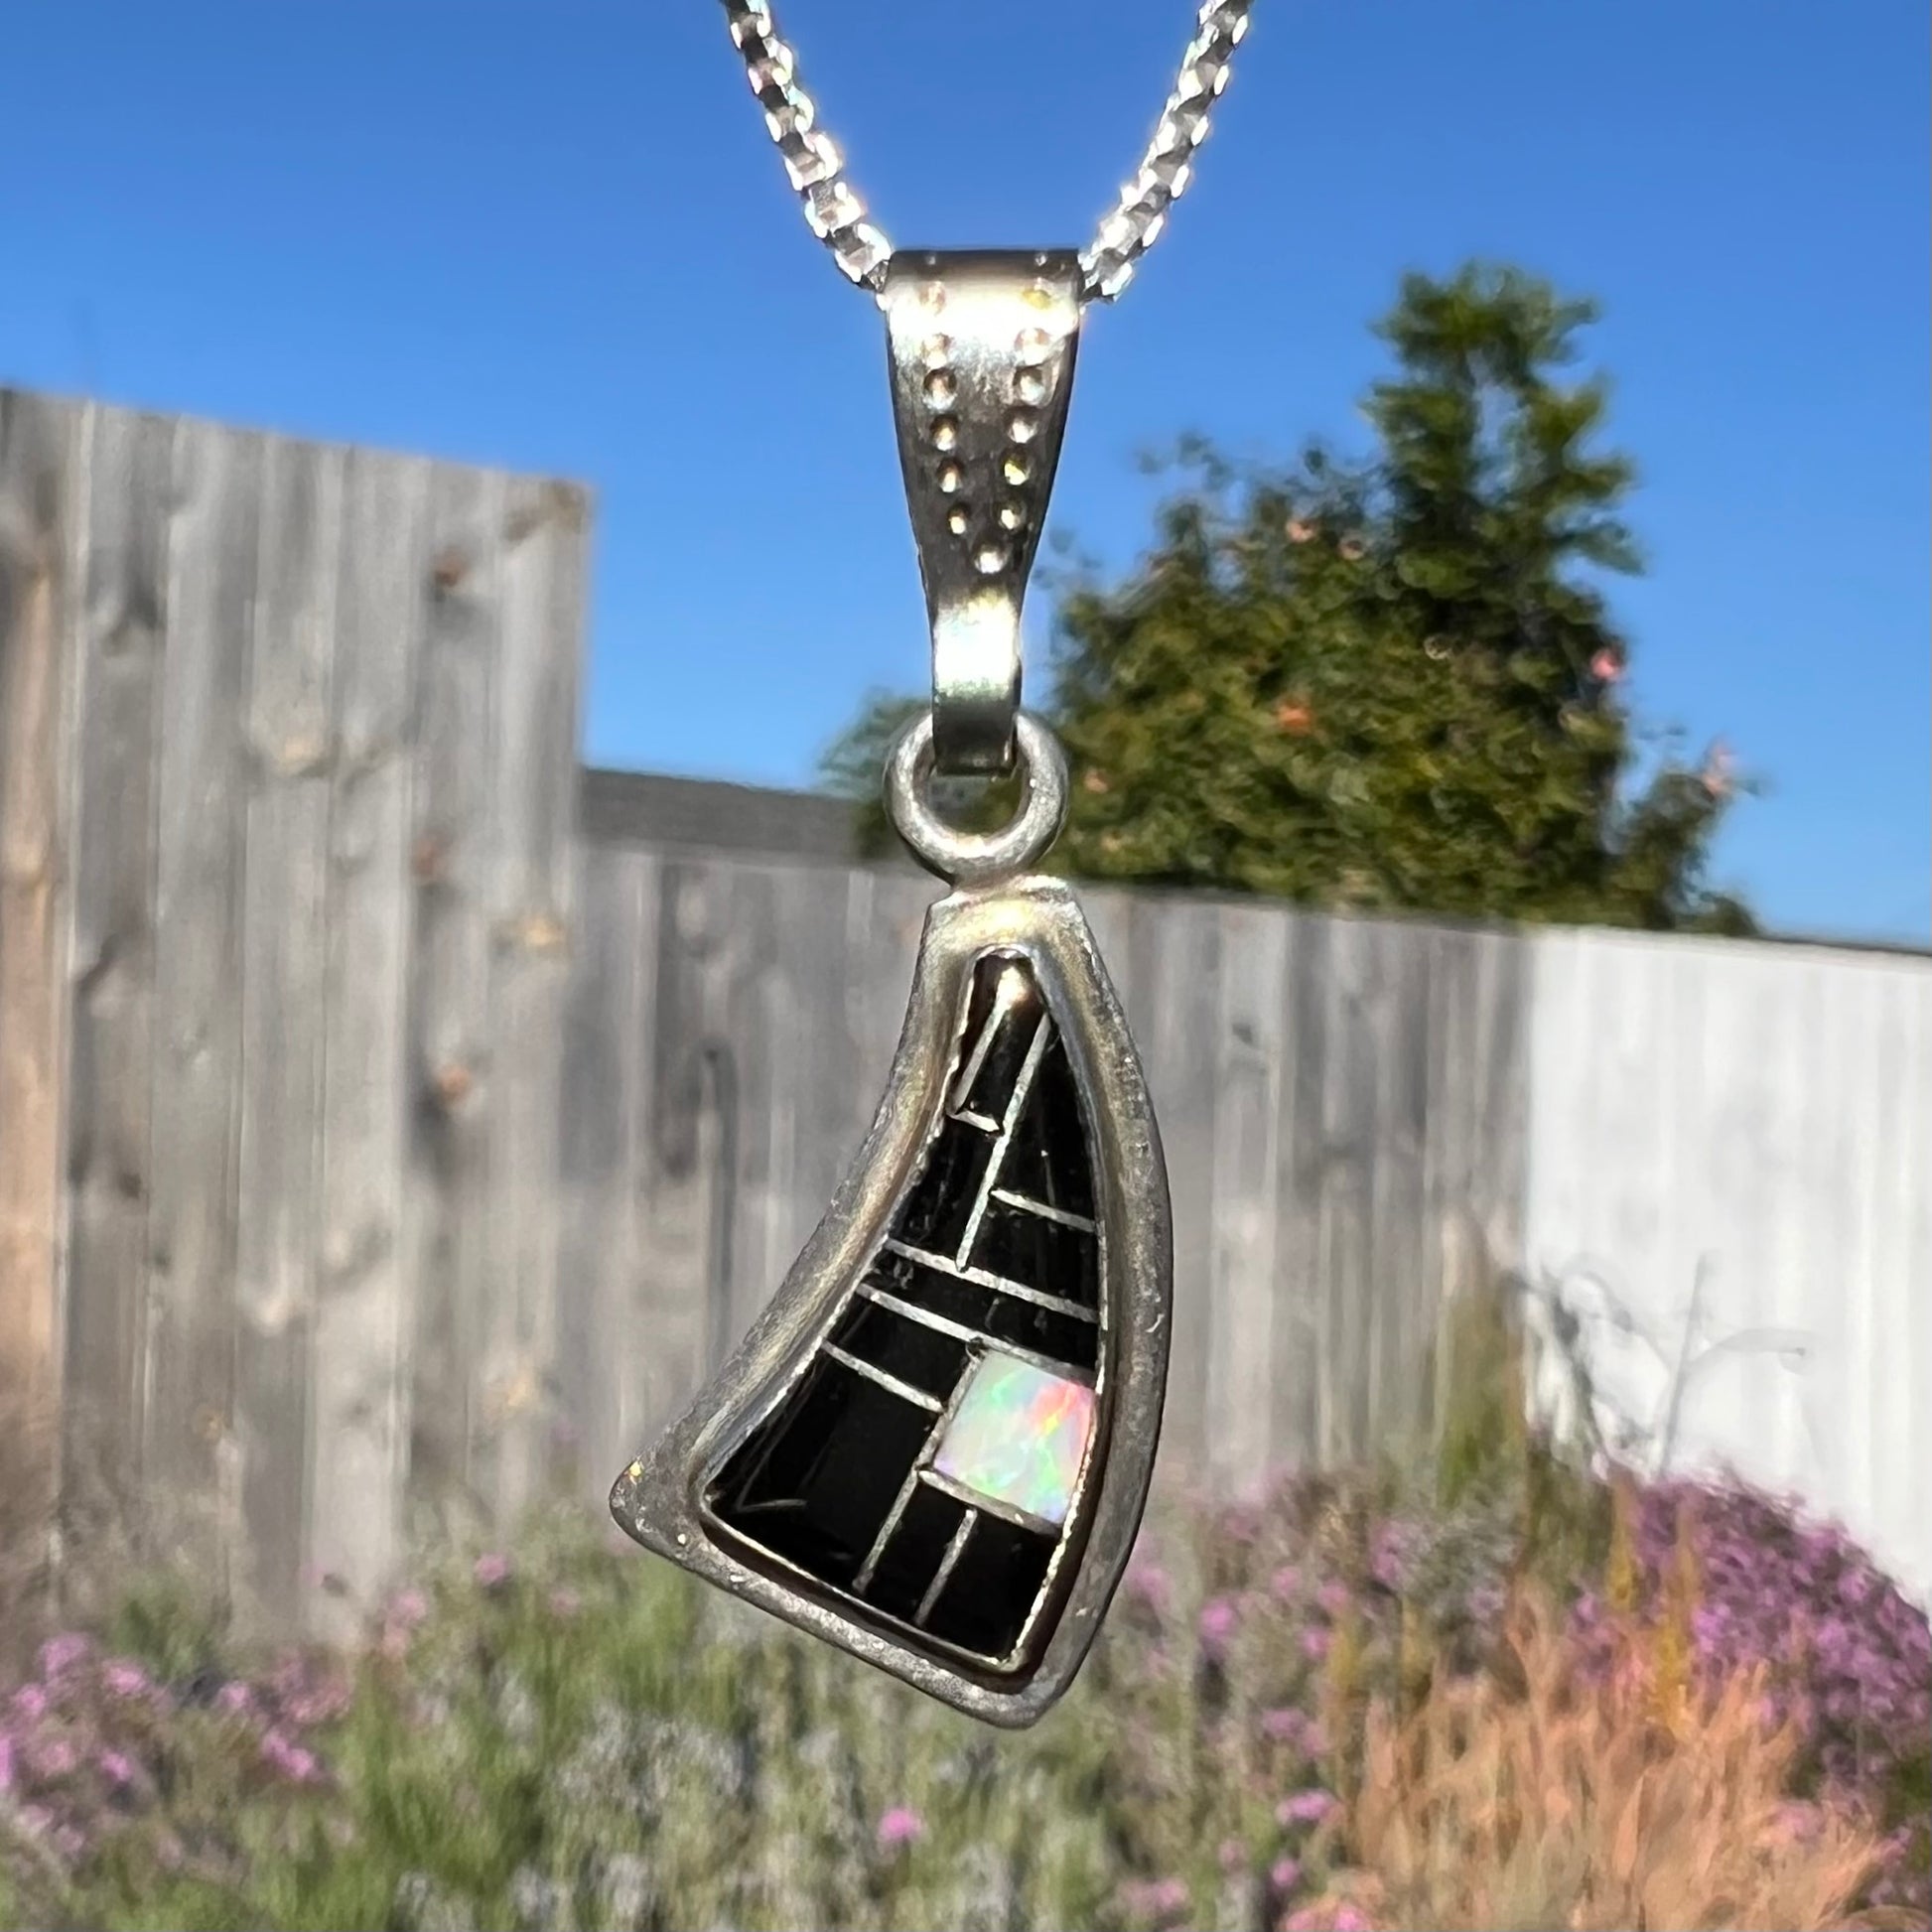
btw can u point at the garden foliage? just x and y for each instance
(1360, 1702)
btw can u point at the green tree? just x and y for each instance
(1385, 682)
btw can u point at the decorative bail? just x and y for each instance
(981, 344)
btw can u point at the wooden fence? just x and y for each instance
(385, 1109)
(287, 803)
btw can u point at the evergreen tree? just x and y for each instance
(1385, 683)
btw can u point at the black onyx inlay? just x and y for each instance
(924, 1357)
(1008, 989)
(978, 1306)
(1044, 1157)
(815, 1485)
(1027, 1247)
(1045, 1332)
(830, 1484)
(992, 1587)
(914, 1555)
(938, 1290)
(936, 1213)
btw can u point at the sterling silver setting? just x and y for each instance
(982, 347)
(679, 1498)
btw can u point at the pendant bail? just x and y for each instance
(981, 346)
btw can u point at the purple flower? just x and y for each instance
(408, 1610)
(1157, 1899)
(1310, 1919)
(30, 1701)
(1332, 1597)
(54, 1759)
(492, 1568)
(116, 1769)
(293, 1761)
(1241, 1523)
(60, 1654)
(901, 1824)
(1392, 1554)
(1219, 1621)
(1799, 1819)
(1283, 1726)
(1309, 1806)
(316, 1707)
(1285, 1874)
(1286, 1583)
(1314, 1645)
(234, 1698)
(6, 1764)
(125, 1679)
(1852, 1657)
(1233, 1854)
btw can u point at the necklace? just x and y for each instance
(933, 1447)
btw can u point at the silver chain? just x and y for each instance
(836, 214)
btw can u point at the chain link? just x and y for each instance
(836, 214)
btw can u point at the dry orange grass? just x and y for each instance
(1537, 1798)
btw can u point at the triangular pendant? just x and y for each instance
(933, 1447)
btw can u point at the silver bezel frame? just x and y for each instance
(658, 1498)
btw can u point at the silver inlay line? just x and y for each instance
(993, 1505)
(1022, 1086)
(903, 1390)
(943, 1574)
(1026, 1203)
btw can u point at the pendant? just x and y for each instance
(933, 1447)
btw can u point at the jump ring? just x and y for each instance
(975, 858)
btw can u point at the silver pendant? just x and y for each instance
(933, 1448)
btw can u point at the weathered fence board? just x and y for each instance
(202, 797)
(40, 478)
(448, 1182)
(533, 797)
(285, 927)
(1243, 1285)
(604, 1333)
(124, 616)
(357, 1446)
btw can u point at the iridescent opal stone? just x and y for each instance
(1018, 1436)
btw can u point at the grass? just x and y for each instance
(1541, 1794)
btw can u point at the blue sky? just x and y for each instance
(552, 236)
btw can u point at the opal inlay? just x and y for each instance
(1018, 1436)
